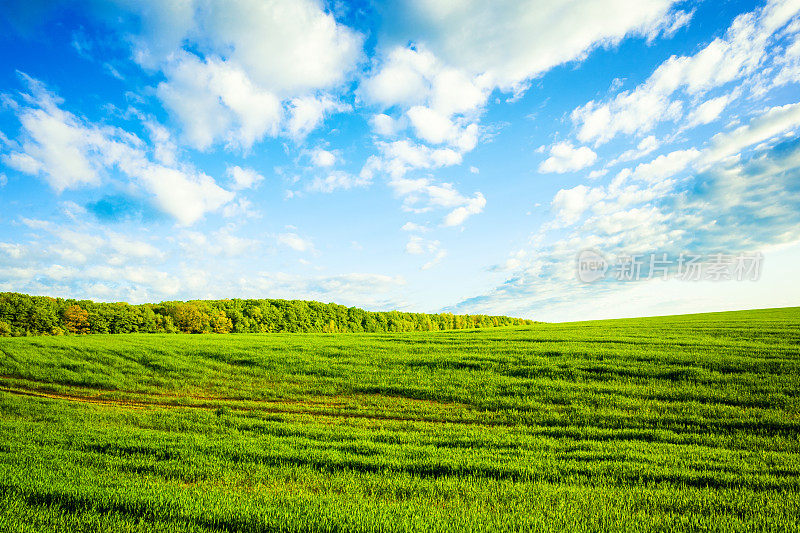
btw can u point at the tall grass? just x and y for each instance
(675, 423)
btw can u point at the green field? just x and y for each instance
(659, 424)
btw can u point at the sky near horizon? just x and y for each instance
(412, 155)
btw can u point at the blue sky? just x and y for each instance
(402, 155)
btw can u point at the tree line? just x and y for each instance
(21, 314)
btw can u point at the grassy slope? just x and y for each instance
(687, 422)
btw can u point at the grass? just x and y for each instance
(687, 423)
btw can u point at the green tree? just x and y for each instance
(220, 323)
(189, 319)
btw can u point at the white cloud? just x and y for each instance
(439, 102)
(215, 100)
(570, 204)
(665, 166)
(645, 146)
(403, 78)
(56, 143)
(417, 245)
(322, 158)
(295, 242)
(70, 152)
(411, 226)
(164, 148)
(337, 179)
(187, 197)
(738, 54)
(430, 125)
(701, 199)
(30, 165)
(288, 46)
(240, 207)
(599, 173)
(495, 38)
(371, 291)
(437, 258)
(384, 125)
(132, 248)
(399, 157)
(774, 122)
(708, 111)
(247, 58)
(11, 250)
(232, 245)
(461, 53)
(422, 194)
(308, 112)
(473, 206)
(629, 113)
(564, 157)
(244, 178)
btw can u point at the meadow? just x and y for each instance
(685, 423)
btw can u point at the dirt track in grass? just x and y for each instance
(320, 408)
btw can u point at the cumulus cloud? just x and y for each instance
(418, 245)
(69, 152)
(322, 158)
(337, 180)
(411, 226)
(440, 102)
(472, 206)
(740, 53)
(723, 196)
(645, 147)
(422, 194)
(215, 100)
(132, 248)
(570, 204)
(56, 144)
(295, 242)
(399, 157)
(463, 52)
(708, 111)
(232, 66)
(244, 178)
(665, 166)
(384, 125)
(372, 291)
(564, 157)
(307, 112)
(779, 120)
(494, 38)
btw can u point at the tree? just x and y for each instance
(76, 319)
(221, 323)
(189, 319)
(21, 314)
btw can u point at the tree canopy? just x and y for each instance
(21, 314)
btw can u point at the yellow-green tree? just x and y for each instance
(190, 319)
(221, 323)
(76, 319)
